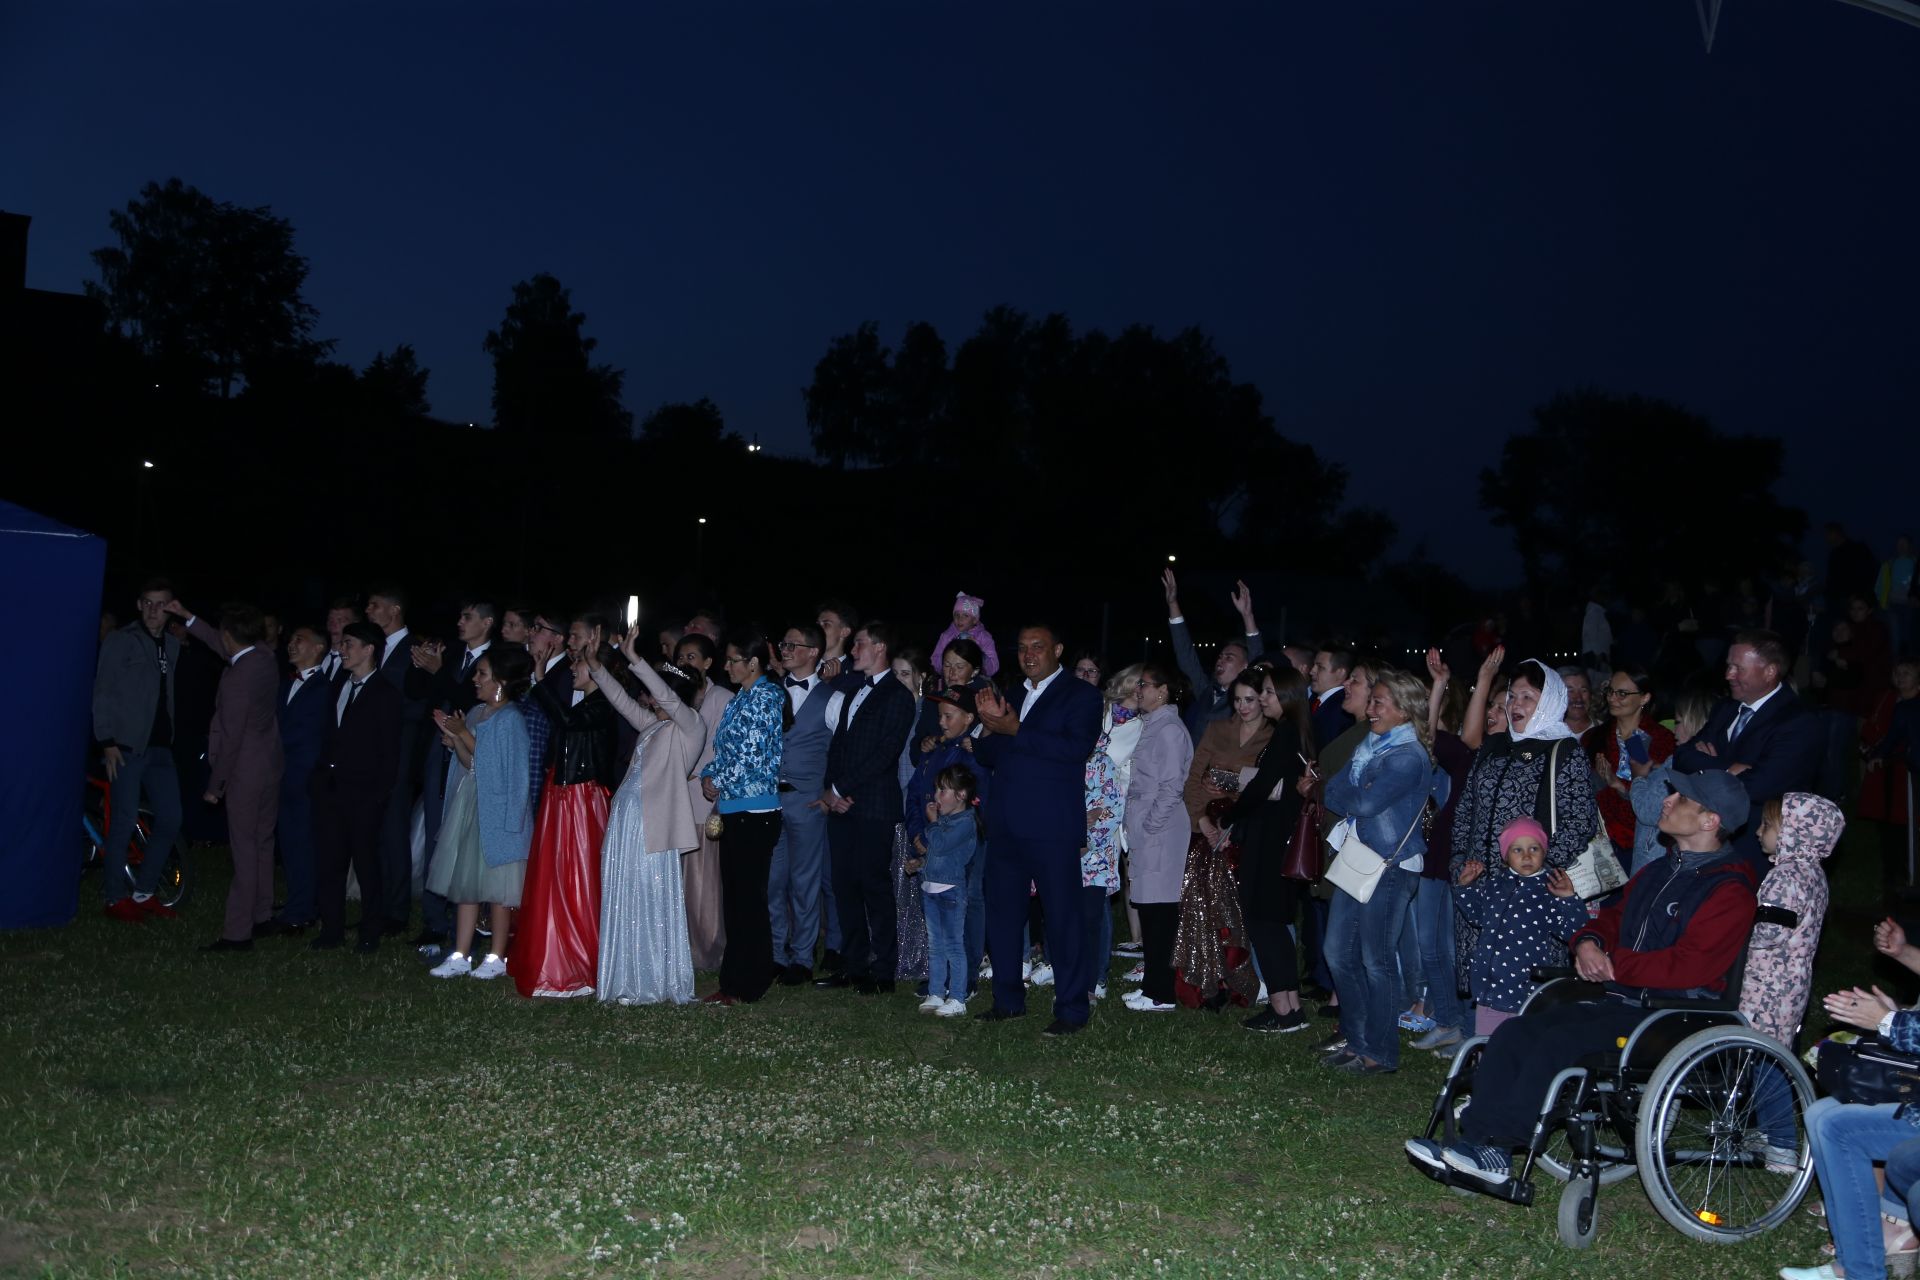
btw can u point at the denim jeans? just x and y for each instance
(796, 881)
(1847, 1142)
(1099, 919)
(1407, 958)
(1433, 915)
(946, 941)
(148, 775)
(1363, 941)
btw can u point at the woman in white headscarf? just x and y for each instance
(1508, 781)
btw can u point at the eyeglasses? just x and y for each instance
(541, 626)
(1624, 693)
(735, 662)
(785, 645)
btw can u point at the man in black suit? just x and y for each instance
(306, 703)
(1037, 744)
(862, 800)
(450, 688)
(387, 610)
(352, 783)
(1327, 685)
(1762, 735)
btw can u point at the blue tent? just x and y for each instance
(53, 578)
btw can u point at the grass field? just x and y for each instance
(164, 1112)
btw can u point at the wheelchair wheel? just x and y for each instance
(1557, 1160)
(1699, 1112)
(1579, 1213)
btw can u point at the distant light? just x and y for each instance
(753, 446)
(469, 424)
(147, 465)
(156, 386)
(703, 519)
(1171, 559)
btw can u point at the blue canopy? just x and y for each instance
(53, 579)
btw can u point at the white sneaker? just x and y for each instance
(986, 971)
(1100, 991)
(1042, 975)
(491, 967)
(932, 1003)
(454, 966)
(1144, 1005)
(1136, 974)
(951, 1008)
(1026, 970)
(1135, 997)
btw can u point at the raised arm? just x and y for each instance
(1183, 654)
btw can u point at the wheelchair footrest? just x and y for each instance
(1513, 1191)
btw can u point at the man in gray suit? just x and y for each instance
(133, 727)
(798, 876)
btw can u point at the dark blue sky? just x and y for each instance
(1407, 223)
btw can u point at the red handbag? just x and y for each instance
(1306, 859)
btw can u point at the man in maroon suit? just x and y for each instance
(244, 762)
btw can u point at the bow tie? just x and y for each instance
(799, 684)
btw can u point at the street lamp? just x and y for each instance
(753, 446)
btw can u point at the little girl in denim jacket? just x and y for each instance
(1525, 914)
(947, 849)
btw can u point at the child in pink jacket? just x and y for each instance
(966, 622)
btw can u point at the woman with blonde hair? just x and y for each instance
(1383, 791)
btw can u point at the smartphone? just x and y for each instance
(1637, 748)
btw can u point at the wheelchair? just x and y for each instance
(1676, 1101)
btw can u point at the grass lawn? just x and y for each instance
(164, 1112)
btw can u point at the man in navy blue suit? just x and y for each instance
(1037, 746)
(305, 698)
(1761, 735)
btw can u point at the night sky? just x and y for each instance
(1406, 223)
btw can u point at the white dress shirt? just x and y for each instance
(1035, 690)
(299, 681)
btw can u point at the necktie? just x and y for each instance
(353, 691)
(466, 664)
(1739, 723)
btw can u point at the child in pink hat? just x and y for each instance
(1525, 912)
(966, 625)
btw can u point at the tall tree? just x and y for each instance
(544, 378)
(394, 385)
(209, 291)
(688, 429)
(850, 413)
(1635, 491)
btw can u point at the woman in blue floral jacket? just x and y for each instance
(743, 781)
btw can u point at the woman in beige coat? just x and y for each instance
(644, 952)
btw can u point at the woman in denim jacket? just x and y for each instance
(1383, 791)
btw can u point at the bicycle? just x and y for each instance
(96, 815)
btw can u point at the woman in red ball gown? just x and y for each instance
(556, 942)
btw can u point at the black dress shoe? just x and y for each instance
(865, 987)
(885, 988)
(832, 962)
(326, 944)
(833, 980)
(997, 1014)
(792, 975)
(228, 944)
(1059, 1028)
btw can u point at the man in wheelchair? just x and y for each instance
(1677, 931)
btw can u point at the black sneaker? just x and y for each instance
(1292, 1020)
(1265, 1020)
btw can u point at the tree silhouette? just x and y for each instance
(694, 430)
(395, 386)
(544, 379)
(849, 402)
(209, 291)
(1631, 490)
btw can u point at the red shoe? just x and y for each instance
(128, 910)
(155, 907)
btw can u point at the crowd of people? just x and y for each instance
(594, 807)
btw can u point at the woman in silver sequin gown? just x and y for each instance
(644, 952)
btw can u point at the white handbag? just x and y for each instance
(1356, 869)
(1597, 871)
